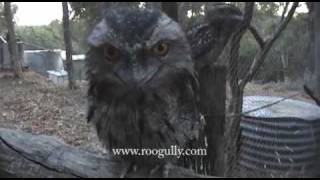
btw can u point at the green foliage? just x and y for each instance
(90, 11)
(40, 36)
(51, 36)
(292, 44)
(269, 8)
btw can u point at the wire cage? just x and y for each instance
(280, 135)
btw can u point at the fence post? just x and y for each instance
(212, 79)
(21, 53)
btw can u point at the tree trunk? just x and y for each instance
(234, 110)
(233, 117)
(171, 9)
(232, 125)
(316, 78)
(12, 42)
(309, 68)
(312, 74)
(68, 45)
(24, 155)
(212, 80)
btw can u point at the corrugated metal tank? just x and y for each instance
(283, 138)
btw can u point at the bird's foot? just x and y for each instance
(166, 169)
(153, 171)
(128, 169)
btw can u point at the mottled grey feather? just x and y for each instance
(156, 114)
(141, 100)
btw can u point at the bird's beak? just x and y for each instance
(142, 74)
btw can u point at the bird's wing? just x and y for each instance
(212, 35)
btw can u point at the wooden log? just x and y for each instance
(26, 155)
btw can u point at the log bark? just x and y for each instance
(26, 155)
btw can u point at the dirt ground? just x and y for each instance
(294, 91)
(38, 106)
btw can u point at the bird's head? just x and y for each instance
(136, 48)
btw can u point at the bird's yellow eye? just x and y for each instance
(110, 53)
(161, 49)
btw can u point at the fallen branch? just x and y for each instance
(25, 155)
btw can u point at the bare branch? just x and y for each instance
(247, 16)
(257, 36)
(283, 24)
(259, 58)
(235, 42)
(311, 94)
(285, 11)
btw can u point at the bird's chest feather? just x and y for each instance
(153, 119)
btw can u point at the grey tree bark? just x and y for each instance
(234, 112)
(232, 124)
(68, 45)
(12, 41)
(25, 155)
(317, 49)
